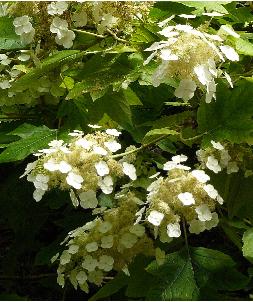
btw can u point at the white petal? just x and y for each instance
(187, 16)
(173, 230)
(82, 142)
(64, 167)
(91, 247)
(129, 170)
(99, 150)
(51, 165)
(113, 132)
(211, 191)
(213, 164)
(102, 168)
(213, 222)
(200, 175)
(203, 73)
(74, 180)
(155, 217)
(229, 52)
(186, 89)
(113, 146)
(169, 165)
(94, 126)
(179, 158)
(228, 78)
(204, 213)
(217, 145)
(186, 198)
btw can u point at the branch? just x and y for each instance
(89, 33)
(192, 138)
(142, 147)
(115, 36)
(31, 277)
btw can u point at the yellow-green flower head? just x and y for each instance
(104, 244)
(115, 15)
(219, 156)
(83, 166)
(182, 195)
(190, 55)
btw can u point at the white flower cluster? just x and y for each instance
(64, 36)
(82, 166)
(217, 158)
(191, 55)
(114, 15)
(24, 28)
(102, 245)
(182, 196)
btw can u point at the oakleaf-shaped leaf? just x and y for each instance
(230, 116)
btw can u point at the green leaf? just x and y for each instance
(111, 287)
(216, 270)
(190, 275)
(47, 65)
(237, 191)
(172, 120)
(174, 279)
(143, 35)
(23, 130)
(238, 14)
(156, 134)
(230, 116)
(165, 9)
(203, 6)
(131, 97)
(36, 139)
(9, 40)
(247, 248)
(116, 105)
(139, 279)
(101, 72)
(244, 47)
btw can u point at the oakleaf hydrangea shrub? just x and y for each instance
(123, 105)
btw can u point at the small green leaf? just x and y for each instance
(247, 248)
(157, 133)
(111, 287)
(244, 47)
